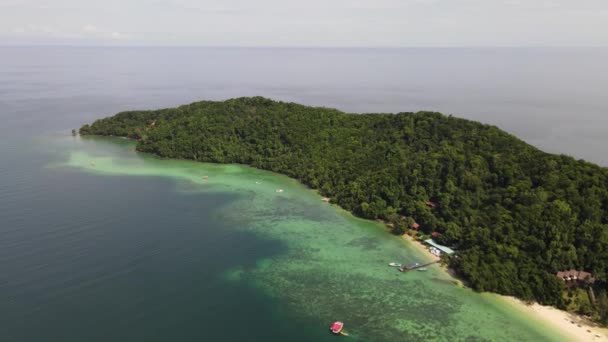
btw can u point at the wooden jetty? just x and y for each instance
(411, 268)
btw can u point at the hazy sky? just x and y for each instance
(399, 23)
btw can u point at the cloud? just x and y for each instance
(309, 23)
(201, 7)
(35, 30)
(86, 32)
(90, 29)
(120, 36)
(11, 3)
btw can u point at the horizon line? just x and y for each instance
(353, 47)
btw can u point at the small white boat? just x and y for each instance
(422, 269)
(395, 264)
(257, 182)
(279, 190)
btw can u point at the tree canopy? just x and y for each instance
(515, 214)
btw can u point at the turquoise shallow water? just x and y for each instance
(325, 265)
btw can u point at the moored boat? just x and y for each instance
(336, 327)
(394, 264)
(422, 269)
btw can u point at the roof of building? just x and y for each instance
(415, 225)
(444, 249)
(584, 275)
(575, 275)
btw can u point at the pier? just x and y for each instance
(406, 268)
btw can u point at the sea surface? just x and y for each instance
(100, 243)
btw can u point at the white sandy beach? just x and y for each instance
(422, 248)
(573, 327)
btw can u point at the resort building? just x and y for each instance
(440, 249)
(572, 277)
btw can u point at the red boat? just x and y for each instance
(336, 328)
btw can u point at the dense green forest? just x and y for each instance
(515, 214)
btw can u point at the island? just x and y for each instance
(523, 222)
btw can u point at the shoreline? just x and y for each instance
(420, 247)
(572, 326)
